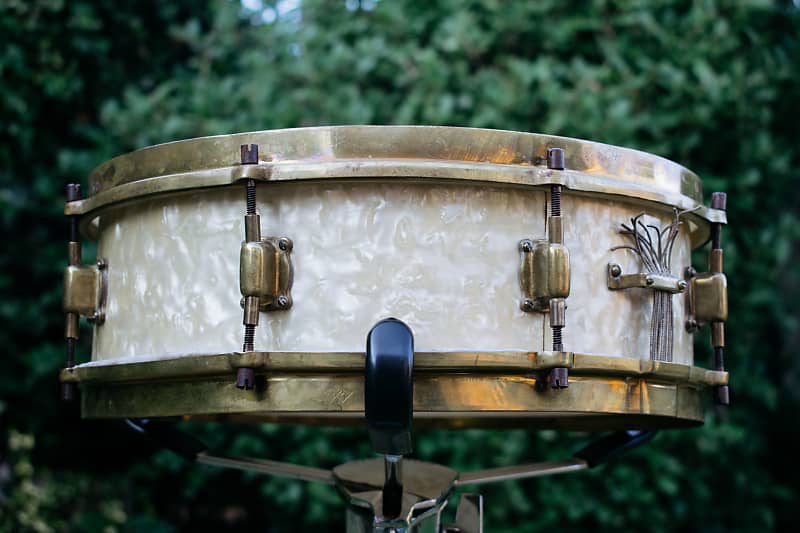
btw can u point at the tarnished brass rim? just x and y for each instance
(507, 363)
(456, 389)
(407, 153)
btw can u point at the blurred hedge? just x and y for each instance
(713, 85)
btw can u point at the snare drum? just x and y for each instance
(490, 245)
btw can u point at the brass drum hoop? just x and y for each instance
(389, 153)
(453, 389)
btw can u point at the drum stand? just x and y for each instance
(394, 494)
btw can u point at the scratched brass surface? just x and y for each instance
(457, 389)
(425, 153)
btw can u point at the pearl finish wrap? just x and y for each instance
(442, 258)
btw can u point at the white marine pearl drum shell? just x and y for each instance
(441, 257)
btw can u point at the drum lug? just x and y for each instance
(266, 272)
(544, 274)
(265, 269)
(707, 298)
(86, 290)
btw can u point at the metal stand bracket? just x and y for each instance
(426, 486)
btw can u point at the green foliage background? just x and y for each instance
(713, 85)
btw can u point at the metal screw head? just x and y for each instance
(526, 245)
(285, 244)
(691, 325)
(102, 264)
(73, 192)
(97, 318)
(723, 395)
(245, 378)
(690, 272)
(527, 306)
(282, 302)
(555, 158)
(558, 378)
(249, 153)
(682, 285)
(719, 200)
(616, 270)
(649, 281)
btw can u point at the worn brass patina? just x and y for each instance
(266, 272)
(544, 274)
(85, 289)
(453, 389)
(709, 297)
(388, 153)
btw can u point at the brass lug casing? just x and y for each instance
(558, 313)
(544, 274)
(718, 334)
(266, 273)
(86, 290)
(252, 228)
(618, 281)
(251, 309)
(555, 229)
(707, 299)
(71, 328)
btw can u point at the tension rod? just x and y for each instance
(558, 377)
(245, 376)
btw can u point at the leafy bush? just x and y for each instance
(713, 85)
